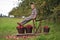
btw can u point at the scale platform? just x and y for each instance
(29, 34)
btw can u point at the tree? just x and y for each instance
(45, 8)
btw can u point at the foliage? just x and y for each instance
(45, 8)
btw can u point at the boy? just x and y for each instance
(31, 17)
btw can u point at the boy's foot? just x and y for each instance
(19, 24)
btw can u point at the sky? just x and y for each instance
(7, 5)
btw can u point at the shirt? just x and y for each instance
(34, 12)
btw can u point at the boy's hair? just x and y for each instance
(31, 3)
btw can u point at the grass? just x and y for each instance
(8, 27)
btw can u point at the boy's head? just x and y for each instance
(32, 5)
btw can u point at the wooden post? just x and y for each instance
(34, 28)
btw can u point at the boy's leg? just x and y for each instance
(26, 21)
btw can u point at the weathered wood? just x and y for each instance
(29, 34)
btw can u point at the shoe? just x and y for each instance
(19, 24)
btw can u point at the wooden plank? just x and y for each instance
(29, 34)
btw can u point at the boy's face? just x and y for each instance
(32, 6)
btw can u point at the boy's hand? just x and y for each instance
(34, 17)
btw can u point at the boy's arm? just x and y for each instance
(34, 17)
(35, 14)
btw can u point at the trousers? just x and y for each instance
(26, 20)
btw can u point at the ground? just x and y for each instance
(8, 27)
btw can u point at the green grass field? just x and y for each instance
(8, 27)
